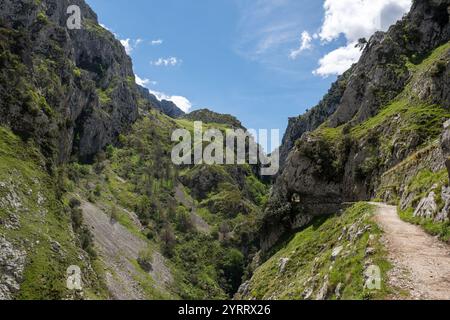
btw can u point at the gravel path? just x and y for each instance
(421, 263)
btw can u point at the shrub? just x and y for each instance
(168, 240)
(438, 69)
(232, 267)
(114, 214)
(183, 220)
(145, 260)
(98, 190)
(74, 203)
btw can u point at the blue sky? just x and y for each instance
(260, 60)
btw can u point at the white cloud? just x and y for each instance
(130, 44)
(144, 82)
(338, 61)
(157, 42)
(171, 61)
(354, 19)
(105, 27)
(182, 102)
(305, 44)
(360, 18)
(126, 44)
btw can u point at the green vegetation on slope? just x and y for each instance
(206, 259)
(36, 221)
(311, 269)
(420, 185)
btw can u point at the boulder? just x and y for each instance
(336, 252)
(427, 207)
(12, 264)
(282, 264)
(444, 214)
(445, 144)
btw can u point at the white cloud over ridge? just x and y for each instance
(144, 82)
(130, 44)
(181, 102)
(338, 61)
(354, 19)
(360, 18)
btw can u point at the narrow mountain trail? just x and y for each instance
(421, 263)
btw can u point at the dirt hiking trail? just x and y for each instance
(421, 263)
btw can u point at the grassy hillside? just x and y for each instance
(326, 260)
(38, 225)
(201, 218)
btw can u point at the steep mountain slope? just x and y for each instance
(183, 213)
(72, 91)
(312, 119)
(383, 140)
(87, 180)
(330, 259)
(394, 104)
(167, 107)
(37, 240)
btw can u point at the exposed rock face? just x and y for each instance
(167, 107)
(323, 171)
(445, 145)
(444, 215)
(282, 264)
(427, 207)
(72, 91)
(381, 73)
(312, 119)
(12, 264)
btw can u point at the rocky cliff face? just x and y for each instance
(73, 91)
(381, 73)
(312, 119)
(391, 104)
(167, 107)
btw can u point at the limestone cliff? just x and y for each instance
(167, 107)
(392, 105)
(73, 91)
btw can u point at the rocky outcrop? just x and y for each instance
(381, 73)
(72, 91)
(427, 207)
(167, 107)
(444, 214)
(12, 264)
(445, 145)
(313, 118)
